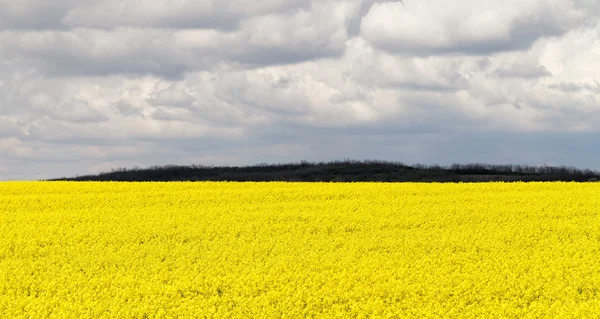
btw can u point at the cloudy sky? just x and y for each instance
(89, 85)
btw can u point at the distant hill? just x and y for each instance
(346, 171)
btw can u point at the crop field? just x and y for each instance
(296, 250)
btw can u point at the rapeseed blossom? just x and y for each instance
(296, 250)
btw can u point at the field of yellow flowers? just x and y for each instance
(295, 250)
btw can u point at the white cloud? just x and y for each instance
(429, 27)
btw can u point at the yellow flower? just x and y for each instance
(295, 250)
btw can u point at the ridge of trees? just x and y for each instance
(346, 171)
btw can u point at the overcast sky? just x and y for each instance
(90, 85)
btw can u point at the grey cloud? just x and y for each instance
(40, 105)
(97, 52)
(591, 7)
(279, 96)
(448, 146)
(520, 70)
(67, 14)
(164, 114)
(566, 86)
(444, 148)
(172, 96)
(261, 56)
(264, 40)
(167, 14)
(78, 111)
(484, 64)
(426, 74)
(101, 15)
(34, 14)
(8, 127)
(575, 87)
(290, 38)
(353, 23)
(124, 107)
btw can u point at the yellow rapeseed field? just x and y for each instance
(295, 250)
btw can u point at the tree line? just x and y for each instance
(346, 171)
